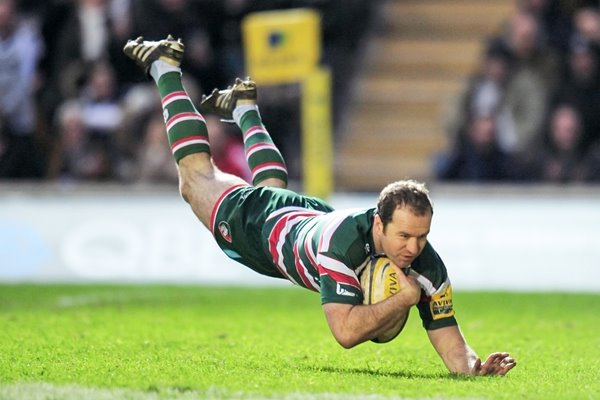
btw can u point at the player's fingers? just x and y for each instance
(507, 367)
(493, 365)
(509, 360)
(502, 365)
(498, 355)
(489, 368)
(497, 358)
(406, 280)
(492, 359)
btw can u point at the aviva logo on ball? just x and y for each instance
(379, 280)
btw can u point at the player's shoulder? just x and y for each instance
(357, 219)
(358, 216)
(347, 234)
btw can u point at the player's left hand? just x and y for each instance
(496, 364)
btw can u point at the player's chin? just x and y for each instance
(403, 262)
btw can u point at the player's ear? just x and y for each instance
(377, 224)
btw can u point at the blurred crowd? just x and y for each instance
(74, 108)
(531, 112)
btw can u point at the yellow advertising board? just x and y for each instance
(281, 46)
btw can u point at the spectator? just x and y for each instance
(587, 25)
(476, 155)
(82, 41)
(581, 88)
(102, 110)
(20, 50)
(484, 93)
(137, 105)
(100, 101)
(557, 155)
(77, 155)
(555, 19)
(120, 24)
(155, 161)
(535, 73)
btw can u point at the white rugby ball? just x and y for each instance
(379, 280)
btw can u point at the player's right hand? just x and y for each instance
(496, 364)
(409, 288)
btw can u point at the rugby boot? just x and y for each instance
(144, 53)
(222, 102)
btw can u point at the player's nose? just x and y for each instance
(413, 246)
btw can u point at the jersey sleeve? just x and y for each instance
(340, 251)
(435, 307)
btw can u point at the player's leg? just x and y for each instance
(238, 103)
(201, 183)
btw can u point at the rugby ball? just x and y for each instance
(379, 280)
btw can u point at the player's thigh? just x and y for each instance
(202, 190)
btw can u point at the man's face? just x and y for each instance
(404, 237)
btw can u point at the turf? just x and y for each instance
(186, 342)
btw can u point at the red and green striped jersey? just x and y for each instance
(282, 234)
(326, 252)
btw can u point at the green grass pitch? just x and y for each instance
(193, 342)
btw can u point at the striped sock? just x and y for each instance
(186, 128)
(264, 159)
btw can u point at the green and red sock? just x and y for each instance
(186, 128)
(264, 159)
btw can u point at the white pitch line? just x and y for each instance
(45, 391)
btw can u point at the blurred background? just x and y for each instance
(496, 104)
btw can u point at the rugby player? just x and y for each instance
(282, 234)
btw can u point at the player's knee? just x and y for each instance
(185, 190)
(189, 182)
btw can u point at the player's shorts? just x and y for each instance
(238, 222)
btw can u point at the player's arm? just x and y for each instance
(459, 358)
(355, 324)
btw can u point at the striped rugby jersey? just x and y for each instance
(325, 252)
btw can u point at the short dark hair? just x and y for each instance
(406, 193)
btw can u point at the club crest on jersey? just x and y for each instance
(165, 114)
(225, 231)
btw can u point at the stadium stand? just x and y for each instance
(415, 63)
